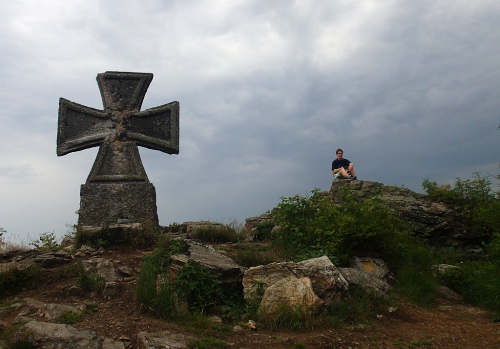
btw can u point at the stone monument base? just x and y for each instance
(117, 203)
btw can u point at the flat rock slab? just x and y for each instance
(55, 336)
(163, 340)
(221, 267)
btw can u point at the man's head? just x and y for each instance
(339, 153)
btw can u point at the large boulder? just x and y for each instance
(369, 272)
(434, 220)
(327, 282)
(291, 292)
(220, 266)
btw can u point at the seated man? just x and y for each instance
(342, 168)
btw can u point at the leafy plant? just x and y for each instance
(69, 317)
(200, 289)
(46, 241)
(314, 225)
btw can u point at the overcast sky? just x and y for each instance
(267, 90)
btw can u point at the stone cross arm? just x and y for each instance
(82, 127)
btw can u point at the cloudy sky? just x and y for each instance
(267, 90)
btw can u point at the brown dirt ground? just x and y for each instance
(450, 325)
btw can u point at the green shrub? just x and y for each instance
(360, 305)
(69, 317)
(313, 226)
(85, 281)
(263, 231)
(46, 241)
(216, 233)
(478, 282)
(14, 280)
(296, 318)
(198, 287)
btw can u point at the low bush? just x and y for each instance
(360, 305)
(217, 233)
(312, 226)
(478, 282)
(14, 280)
(69, 317)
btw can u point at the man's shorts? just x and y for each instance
(338, 176)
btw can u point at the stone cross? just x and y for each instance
(117, 189)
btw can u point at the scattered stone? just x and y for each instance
(103, 267)
(163, 340)
(111, 289)
(252, 325)
(237, 328)
(449, 294)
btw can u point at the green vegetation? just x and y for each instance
(47, 242)
(218, 233)
(313, 226)
(69, 317)
(11, 341)
(207, 343)
(14, 280)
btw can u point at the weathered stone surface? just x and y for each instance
(163, 340)
(47, 335)
(24, 259)
(292, 292)
(103, 267)
(369, 272)
(327, 282)
(55, 336)
(52, 311)
(220, 266)
(106, 203)
(434, 220)
(117, 189)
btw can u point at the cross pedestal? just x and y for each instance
(117, 189)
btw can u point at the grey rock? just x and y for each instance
(220, 266)
(327, 282)
(163, 340)
(369, 272)
(291, 292)
(111, 289)
(103, 267)
(48, 335)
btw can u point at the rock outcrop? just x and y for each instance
(434, 220)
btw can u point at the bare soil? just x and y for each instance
(450, 325)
